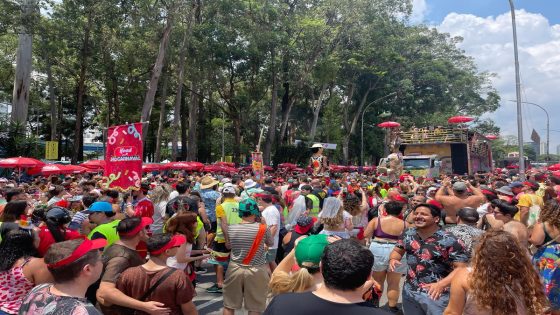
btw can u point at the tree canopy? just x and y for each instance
(296, 69)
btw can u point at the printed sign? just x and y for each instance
(124, 157)
(51, 150)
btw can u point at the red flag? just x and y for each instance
(123, 157)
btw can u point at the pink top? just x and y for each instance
(13, 288)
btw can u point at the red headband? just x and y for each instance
(86, 246)
(176, 240)
(488, 192)
(400, 198)
(143, 223)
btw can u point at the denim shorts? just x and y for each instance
(381, 252)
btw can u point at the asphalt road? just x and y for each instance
(212, 303)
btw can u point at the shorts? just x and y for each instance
(246, 285)
(381, 252)
(213, 227)
(271, 255)
(220, 255)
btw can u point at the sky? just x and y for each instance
(485, 26)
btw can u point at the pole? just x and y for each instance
(362, 137)
(547, 127)
(223, 136)
(518, 95)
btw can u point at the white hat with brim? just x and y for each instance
(317, 145)
(250, 184)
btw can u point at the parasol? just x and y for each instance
(20, 162)
(555, 167)
(97, 165)
(389, 124)
(459, 119)
(153, 167)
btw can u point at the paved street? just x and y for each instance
(211, 303)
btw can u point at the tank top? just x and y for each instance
(315, 210)
(231, 210)
(379, 232)
(293, 237)
(13, 288)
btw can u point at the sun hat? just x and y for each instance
(249, 183)
(228, 190)
(310, 249)
(316, 145)
(505, 190)
(304, 224)
(208, 182)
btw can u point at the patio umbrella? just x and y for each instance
(56, 169)
(287, 165)
(459, 119)
(185, 166)
(153, 167)
(491, 137)
(268, 168)
(20, 162)
(97, 165)
(229, 164)
(555, 167)
(389, 124)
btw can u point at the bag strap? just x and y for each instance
(155, 285)
(255, 246)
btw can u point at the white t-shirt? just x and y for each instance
(172, 261)
(272, 217)
(159, 214)
(173, 194)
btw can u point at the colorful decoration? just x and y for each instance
(124, 156)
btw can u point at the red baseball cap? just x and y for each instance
(62, 203)
(86, 246)
(176, 240)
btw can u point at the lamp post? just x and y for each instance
(362, 138)
(518, 95)
(547, 127)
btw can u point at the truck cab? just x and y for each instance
(427, 166)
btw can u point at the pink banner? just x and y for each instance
(123, 157)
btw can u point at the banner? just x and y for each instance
(51, 150)
(123, 157)
(257, 164)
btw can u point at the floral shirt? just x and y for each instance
(466, 233)
(41, 301)
(209, 197)
(431, 259)
(546, 261)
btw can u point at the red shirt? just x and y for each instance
(47, 239)
(144, 208)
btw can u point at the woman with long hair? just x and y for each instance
(55, 229)
(500, 281)
(185, 224)
(159, 197)
(547, 256)
(14, 210)
(20, 271)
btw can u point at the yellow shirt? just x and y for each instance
(528, 200)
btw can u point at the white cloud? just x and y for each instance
(419, 11)
(490, 41)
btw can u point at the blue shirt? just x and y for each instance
(209, 197)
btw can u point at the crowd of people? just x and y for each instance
(289, 244)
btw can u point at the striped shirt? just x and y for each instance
(241, 237)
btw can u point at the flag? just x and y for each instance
(124, 157)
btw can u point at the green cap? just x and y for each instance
(249, 205)
(310, 249)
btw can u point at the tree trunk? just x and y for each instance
(192, 146)
(22, 81)
(156, 73)
(237, 138)
(177, 111)
(350, 127)
(77, 149)
(271, 134)
(345, 149)
(52, 100)
(316, 110)
(162, 115)
(184, 126)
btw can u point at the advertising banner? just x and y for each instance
(123, 157)
(257, 164)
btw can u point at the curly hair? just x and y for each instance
(502, 267)
(335, 221)
(352, 204)
(550, 213)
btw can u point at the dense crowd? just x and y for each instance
(289, 244)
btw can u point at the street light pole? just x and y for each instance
(518, 95)
(363, 112)
(547, 127)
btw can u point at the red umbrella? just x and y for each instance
(389, 124)
(185, 166)
(287, 165)
(75, 169)
(557, 173)
(56, 169)
(153, 167)
(228, 164)
(97, 165)
(20, 162)
(555, 167)
(268, 168)
(459, 119)
(337, 168)
(491, 137)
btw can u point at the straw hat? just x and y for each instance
(208, 182)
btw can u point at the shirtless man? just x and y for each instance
(457, 198)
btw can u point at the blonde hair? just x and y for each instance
(160, 193)
(282, 282)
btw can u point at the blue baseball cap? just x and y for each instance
(516, 185)
(100, 206)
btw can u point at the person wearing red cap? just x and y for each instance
(74, 265)
(155, 281)
(116, 259)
